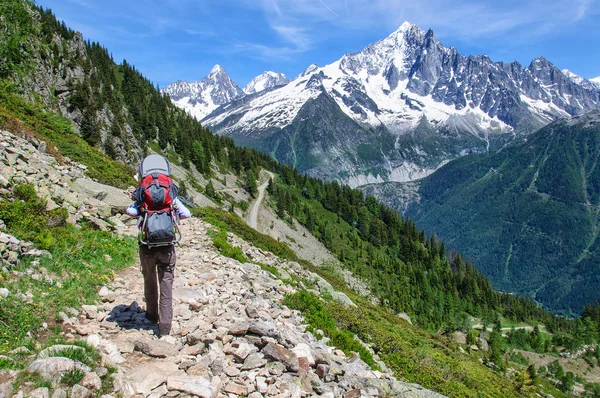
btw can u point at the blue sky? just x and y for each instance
(170, 40)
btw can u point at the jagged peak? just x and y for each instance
(407, 32)
(407, 29)
(311, 68)
(264, 81)
(540, 60)
(217, 69)
(406, 26)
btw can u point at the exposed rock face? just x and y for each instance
(62, 186)
(60, 74)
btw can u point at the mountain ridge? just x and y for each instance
(404, 84)
(201, 97)
(264, 81)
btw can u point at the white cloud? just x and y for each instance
(467, 19)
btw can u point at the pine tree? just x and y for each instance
(250, 185)
(209, 190)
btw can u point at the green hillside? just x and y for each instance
(526, 215)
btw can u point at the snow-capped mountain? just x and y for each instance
(582, 81)
(399, 109)
(265, 81)
(596, 81)
(200, 98)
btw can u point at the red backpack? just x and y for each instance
(156, 192)
(155, 196)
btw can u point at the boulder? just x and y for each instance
(342, 298)
(149, 376)
(113, 197)
(79, 391)
(156, 348)
(41, 392)
(263, 329)
(92, 381)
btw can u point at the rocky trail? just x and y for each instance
(231, 335)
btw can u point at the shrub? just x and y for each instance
(220, 240)
(231, 222)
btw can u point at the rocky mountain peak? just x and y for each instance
(178, 89)
(407, 29)
(217, 69)
(200, 98)
(596, 81)
(406, 33)
(264, 81)
(223, 87)
(310, 69)
(396, 83)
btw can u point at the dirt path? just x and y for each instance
(253, 217)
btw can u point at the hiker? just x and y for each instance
(158, 210)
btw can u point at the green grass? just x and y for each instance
(85, 353)
(318, 314)
(414, 355)
(226, 248)
(231, 222)
(77, 268)
(72, 377)
(18, 115)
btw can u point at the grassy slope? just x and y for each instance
(22, 117)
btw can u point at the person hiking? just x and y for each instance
(158, 210)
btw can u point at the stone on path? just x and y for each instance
(196, 385)
(156, 348)
(281, 354)
(147, 377)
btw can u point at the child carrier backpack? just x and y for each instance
(155, 196)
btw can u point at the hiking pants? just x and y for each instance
(158, 268)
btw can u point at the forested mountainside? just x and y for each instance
(407, 270)
(526, 215)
